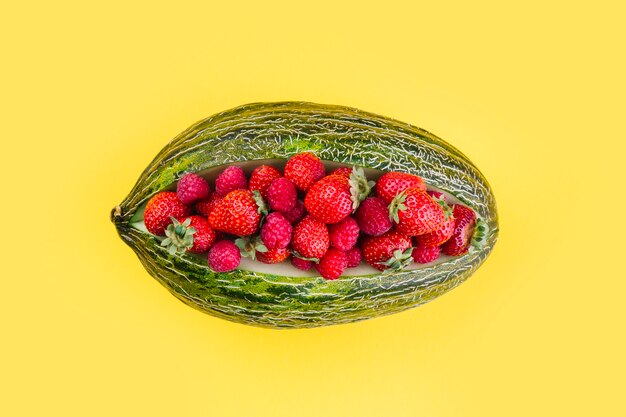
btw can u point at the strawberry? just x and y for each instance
(468, 230)
(262, 177)
(304, 169)
(224, 256)
(310, 238)
(253, 248)
(204, 237)
(179, 236)
(440, 235)
(238, 213)
(332, 264)
(416, 213)
(192, 234)
(300, 263)
(334, 197)
(282, 195)
(444, 232)
(391, 184)
(437, 195)
(343, 235)
(360, 187)
(296, 214)
(205, 206)
(250, 246)
(328, 200)
(354, 257)
(389, 251)
(372, 216)
(160, 210)
(276, 231)
(343, 171)
(273, 256)
(232, 178)
(423, 254)
(192, 187)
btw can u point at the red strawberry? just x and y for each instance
(360, 187)
(437, 195)
(373, 216)
(282, 195)
(304, 169)
(439, 236)
(310, 238)
(273, 256)
(389, 251)
(416, 213)
(179, 236)
(343, 235)
(232, 178)
(239, 213)
(250, 246)
(276, 231)
(224, 256)
(332, 264)
(334, 197)
(329, 200)
(262, 177)
(343, 171)
(192, 187)
(160, 210)
(354, 257)
(205, 206)
(464, 224)
(192, 234)
(253, 248)
(444, 232)
(300, 263)
(296, 214)
(391, 184)
(423, 254)
(204, 237)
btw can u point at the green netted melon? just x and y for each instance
(280, 296)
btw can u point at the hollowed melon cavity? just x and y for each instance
(285, 268)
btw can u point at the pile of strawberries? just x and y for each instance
(329, 222)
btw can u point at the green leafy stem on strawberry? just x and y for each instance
(179, 236)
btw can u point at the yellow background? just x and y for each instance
(532, 92)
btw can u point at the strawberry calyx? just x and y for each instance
(360, 187)
(479, 237)
(262, 207)
(178, 236)
(447, 210)
(399, 260)
(396, 206)
(249, 246)
(297, 255)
